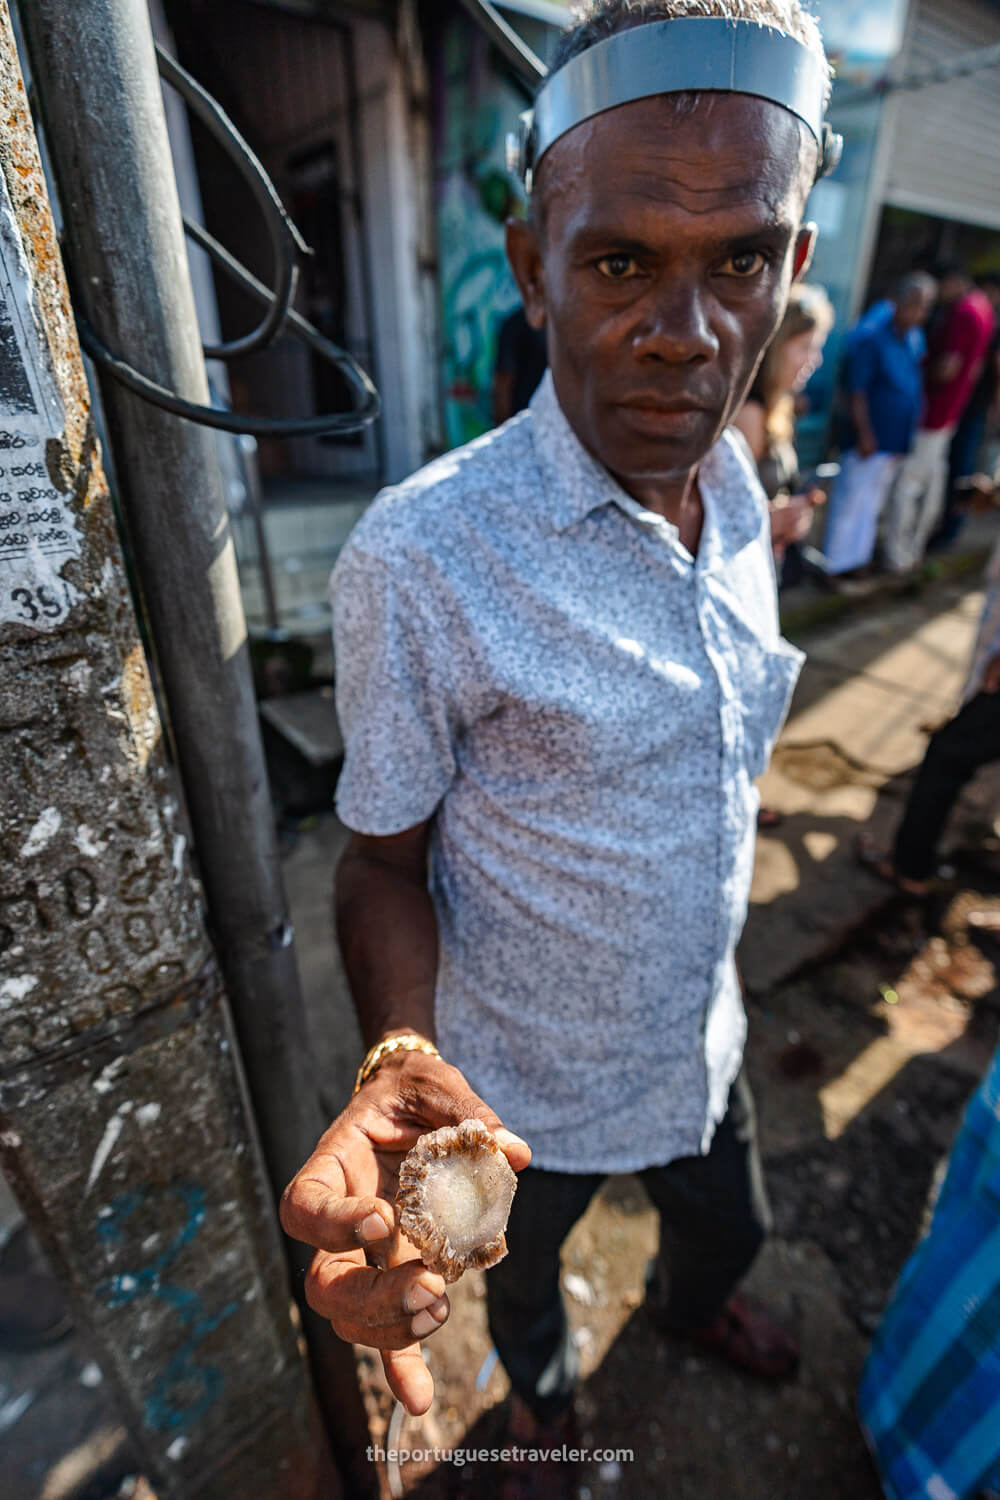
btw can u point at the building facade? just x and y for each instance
(383, 124)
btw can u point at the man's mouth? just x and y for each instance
(662, 415)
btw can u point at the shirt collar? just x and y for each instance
(576, 484)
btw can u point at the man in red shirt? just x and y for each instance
(956, 358)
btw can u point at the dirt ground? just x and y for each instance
(872, 1018)
(861, 1058)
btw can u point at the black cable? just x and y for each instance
(210, 416)
(961, 66)
(296, 324)
(285, 238)
(287, 242)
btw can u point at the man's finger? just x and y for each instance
(383, 1309)
(317, 1214)
(409, 1378)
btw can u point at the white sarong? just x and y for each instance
(859, 493)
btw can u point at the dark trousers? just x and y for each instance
(962, 456)
(714, 1217)
(954, 755)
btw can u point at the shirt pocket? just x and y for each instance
(765, 680)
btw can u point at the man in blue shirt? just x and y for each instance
(885, 397)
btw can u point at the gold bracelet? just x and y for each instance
(408, 1042)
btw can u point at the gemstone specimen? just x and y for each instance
(455, 1192)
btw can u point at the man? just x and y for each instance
(955, 753)
(966, 445)
(559, 672)
(930, 1392)
(958, 347)
(884, 383)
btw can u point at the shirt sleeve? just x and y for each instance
(394, 702)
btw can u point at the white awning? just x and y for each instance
(943, 158)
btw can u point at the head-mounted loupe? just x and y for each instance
(697, 54)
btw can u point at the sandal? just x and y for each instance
(769, 817)
(878, 861)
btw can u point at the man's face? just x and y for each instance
(951, 288)
(660, 268)
(914, 310)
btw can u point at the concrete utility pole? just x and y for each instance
(102, 110)
(124, 1125)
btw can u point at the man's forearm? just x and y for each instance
(388, 936)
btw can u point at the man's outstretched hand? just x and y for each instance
(366, 1278)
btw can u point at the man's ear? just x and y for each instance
(805, 244)
(524, 252)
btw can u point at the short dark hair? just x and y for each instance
(946, 268)
(599, 19)
(915, 284)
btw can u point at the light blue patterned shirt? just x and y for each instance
(530, 658)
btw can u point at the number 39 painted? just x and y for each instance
(33, 604)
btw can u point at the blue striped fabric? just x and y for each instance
(930, 1394)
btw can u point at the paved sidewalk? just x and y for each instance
(873, 685)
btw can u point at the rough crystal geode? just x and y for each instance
(455, 1192)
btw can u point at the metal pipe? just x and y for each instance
(95, 68)
(354, 106)
(286, 242)
(255, 505)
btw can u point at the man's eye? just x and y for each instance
(618, 267)
(746, 263)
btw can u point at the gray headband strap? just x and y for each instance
(700, 54)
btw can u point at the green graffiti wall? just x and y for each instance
(476, 104)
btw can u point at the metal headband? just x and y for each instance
(701, 54)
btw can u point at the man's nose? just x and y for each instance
(674, 325)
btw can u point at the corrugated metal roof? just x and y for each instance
(944, 157)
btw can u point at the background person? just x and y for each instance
(958, 345)
(930, 1393)
(954, 754)
(884, 385)
(767, 421)
(767, 417)
(981, 413)
(521, 362)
